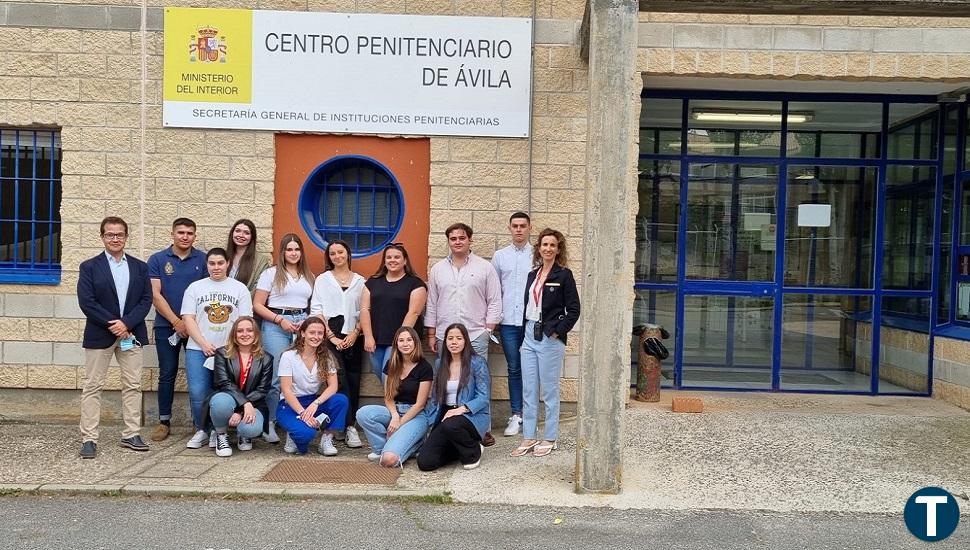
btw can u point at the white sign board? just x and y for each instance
(814, 215)
(347, 73)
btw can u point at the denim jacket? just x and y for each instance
(474, 395)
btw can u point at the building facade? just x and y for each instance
(801, 211)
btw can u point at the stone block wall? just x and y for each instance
(805, 47)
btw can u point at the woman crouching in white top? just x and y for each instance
(336, 298)
(308, 383)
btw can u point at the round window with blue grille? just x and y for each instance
(355, 199)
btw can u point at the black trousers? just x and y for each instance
(453, 439)
(348, 375)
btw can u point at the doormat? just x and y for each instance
(331, 471)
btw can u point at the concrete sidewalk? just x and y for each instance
(747, 451)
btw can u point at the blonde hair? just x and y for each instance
(257, 347)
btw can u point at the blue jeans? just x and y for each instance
(541, 368)
(275, 342)
(374, 419)
(512, 337)
(300, 432)
(168, 368)
(221, 407)
(379, 359)
(200, 384)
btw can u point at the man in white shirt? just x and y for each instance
(463, 288)
(513, 264)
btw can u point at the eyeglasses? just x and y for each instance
(114, 236)
(391, 245)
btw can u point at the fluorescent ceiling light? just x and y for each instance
(718, 115)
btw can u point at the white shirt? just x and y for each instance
(533, 311)
(216, 306)
(295, 295)
(451, 393)
(305, 381)
(330, 300)
(513, 265)
(119, 272)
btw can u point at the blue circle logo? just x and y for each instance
(931, 514)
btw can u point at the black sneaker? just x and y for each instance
(134, 443)
(89, 449)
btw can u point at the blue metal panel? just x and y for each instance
(878, 254)
(783, 96)
(681, 249)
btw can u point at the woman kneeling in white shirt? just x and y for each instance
(308, 381)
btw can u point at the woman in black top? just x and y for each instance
(551, 311)
(397, 429)
(241, 377)
(399, 295)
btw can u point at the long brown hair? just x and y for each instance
(244, 271)
(325, 360)
(382, 269)
(302, 267)
(395, 366)
(562, 257)
(231, 345)
(444, 360)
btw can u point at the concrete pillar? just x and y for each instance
(609, 243)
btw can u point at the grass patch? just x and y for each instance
(15, 492)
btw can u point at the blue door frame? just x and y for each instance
(776, 288)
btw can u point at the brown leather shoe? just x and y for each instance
(160, 433)
(488, 440)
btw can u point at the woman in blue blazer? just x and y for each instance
(459, 405)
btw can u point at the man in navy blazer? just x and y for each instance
(115, 295)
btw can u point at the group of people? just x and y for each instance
(273, 346)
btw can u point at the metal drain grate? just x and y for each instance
(331, 471)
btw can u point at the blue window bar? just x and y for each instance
(355, 199)
(30, 206)
(802, 242)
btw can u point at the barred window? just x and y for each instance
(30, 206)
(355, 199)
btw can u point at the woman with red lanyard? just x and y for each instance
(242, 374)
(551, 311)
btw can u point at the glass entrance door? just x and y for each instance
(793, 239)
(729, 288)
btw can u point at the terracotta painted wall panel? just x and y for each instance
(409, 160)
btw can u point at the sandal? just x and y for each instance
(545, 450)
(523, 450)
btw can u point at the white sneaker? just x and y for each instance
(478, 462)
(373, 457)
(222, 445)
(353, 438)
(197, 440)
(290, 446)
(244, 444)
(326, 447)
(270, 435)
(515, 424)
(213, 442)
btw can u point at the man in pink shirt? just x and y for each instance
(463, 288)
